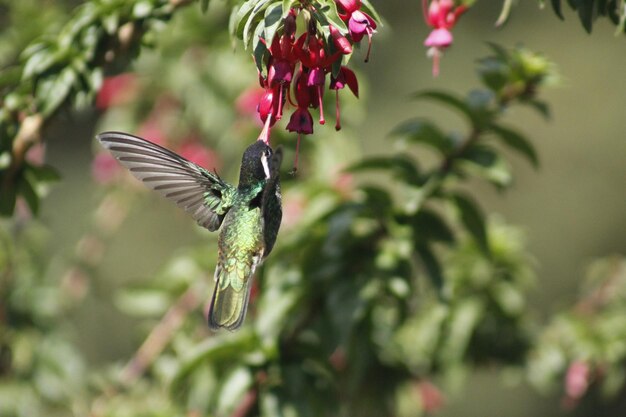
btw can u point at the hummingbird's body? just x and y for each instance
(249, 214)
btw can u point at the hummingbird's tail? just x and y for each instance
(230, 300)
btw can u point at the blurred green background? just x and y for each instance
(572, 209)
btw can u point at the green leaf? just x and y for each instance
(53, 91)
(472, 218)
(486, 163)
(428, 226)
(451, 101)
(259, 49)
(254, 18)
(273, 18)
(233, 390)
(8, 195)
(227, 348)
(517, 142)
(585, 13)
(367, 7)
(26, 189)
(204, 5)
(241, 17)
(556, 6)
(287, 4)
(38, 62)
(402, 166)
(377, 199)
(44, 173)
(425, 132)
(431, 265)
(328, 14)
(541, 107)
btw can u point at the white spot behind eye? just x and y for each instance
(266, 167)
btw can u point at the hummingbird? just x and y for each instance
(249, 214)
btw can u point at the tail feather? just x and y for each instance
(228, 305)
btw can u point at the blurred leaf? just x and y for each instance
(367, 7)
(428, 226)
(451, 101)
(517, 142)
(53, 91)
(44, 173)
(27, 191)
(402, 167)
(422, 131)
(540, 107)
(585, 13)
(377, 200)
(472, 218)
(233, 390)
(204, 5)
(432, 266)
(228, 348)
(143, 302)
(486, 163)
(8, 195)
(556, 6)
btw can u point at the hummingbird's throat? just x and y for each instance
(266, 167)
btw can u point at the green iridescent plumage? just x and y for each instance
(249, 214)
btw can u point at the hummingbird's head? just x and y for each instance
(256, 164)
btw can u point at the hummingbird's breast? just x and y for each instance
(241, 236)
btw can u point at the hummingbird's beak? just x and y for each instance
(266, 167)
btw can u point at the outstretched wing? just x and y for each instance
(199, 192)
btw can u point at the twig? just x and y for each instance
(160, 335)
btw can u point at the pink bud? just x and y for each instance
(341, 42)
(577, 379)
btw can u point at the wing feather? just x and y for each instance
(201, 193)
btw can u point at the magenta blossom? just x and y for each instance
(345, 77)
(301, 121)
(441, 15)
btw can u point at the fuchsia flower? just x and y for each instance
(359, 23)
(301, 65)
(345, 77)
(441, 15)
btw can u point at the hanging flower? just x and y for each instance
(441, 15)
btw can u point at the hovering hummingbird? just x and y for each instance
(249, 214)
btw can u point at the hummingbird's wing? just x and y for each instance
(272, 202)
(201, 193)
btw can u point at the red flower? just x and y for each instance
(359, 23)
(301, 121)
(441, 15)
(345, 77)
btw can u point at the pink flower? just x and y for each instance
(577, 379)
(441, 15)
(430, 396)
(439, 38)
(199, 154)
(117, 90)
(104, 168)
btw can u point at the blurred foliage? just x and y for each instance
(387, 280)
